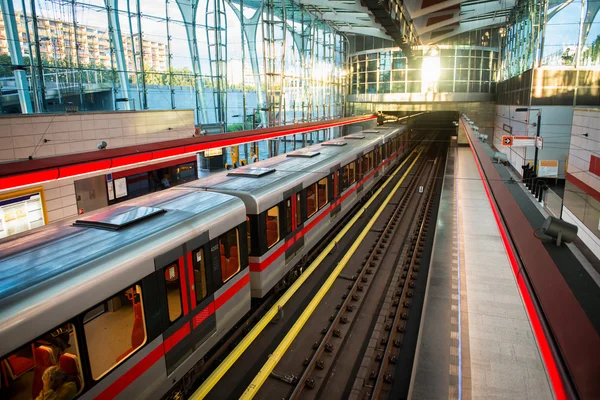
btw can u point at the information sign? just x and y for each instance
(548, 168)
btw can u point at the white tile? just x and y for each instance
(6, 143)
(88, 125)
(88, 135)
(39, 128)
(24, 152)
(21, 129)
(54, 215)
(52, 194)
(76, 147)
(62, 148)
(7, 155)
(54, 204)
(75, 136)
(45, 150)
(115, 132)
(114, 122)
(100, 124)
(67, 190)
(5, 131)
(68, 200)
(70, 211)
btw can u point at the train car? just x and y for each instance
(123, 302)
(292, 200)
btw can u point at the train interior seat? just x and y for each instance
(68, 362)
(14, 367)
(44, 358)
(137, 333)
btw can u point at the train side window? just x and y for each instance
(200, 282)
(322, 187)
(351, 173)
(345, 177)
(298, 210)
(288, 216)
(370, 157)
(114, 330)
(380, 152)
(272, 226)
(230, 254)
(55, 354)
(365, 164)
(173, 291)
(311, 200)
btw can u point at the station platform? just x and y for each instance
(476, 340)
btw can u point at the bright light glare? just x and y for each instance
(430, 74)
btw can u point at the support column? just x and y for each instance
(115, 33)
(188, 13)
(16, 57)
(250, 30)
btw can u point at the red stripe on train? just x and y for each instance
(177, 337)
(145, 363)
(131, 375)
(261, 266)
(229, 293)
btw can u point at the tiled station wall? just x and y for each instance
(23, 136)
(555, 131)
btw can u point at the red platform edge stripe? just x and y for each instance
(549, 361)
(42, 175)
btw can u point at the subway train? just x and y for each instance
(125, 302)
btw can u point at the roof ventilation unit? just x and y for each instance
(251, 172)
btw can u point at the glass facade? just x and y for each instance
(461, 69)
(562, 33)
(225, 60)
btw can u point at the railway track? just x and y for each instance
(326, 354)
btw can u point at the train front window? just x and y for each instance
(173, 289)
(230, 254)
(114, 330)
(54, 354)
(311, 200)
(199, 264)
(272, 226)
(322, 188)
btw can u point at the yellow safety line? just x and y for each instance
(218, 373)
(274, 358)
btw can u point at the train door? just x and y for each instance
(175, 306)
(202, 283)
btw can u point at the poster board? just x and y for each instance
(21, 211)
(548, 168)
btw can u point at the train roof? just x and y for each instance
(261, 188)
(52, 251)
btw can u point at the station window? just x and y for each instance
(200, 284)
(230, 254)
(351, 173)
(173, 291)
(322, 192)
(288, 216)
(272, 226)
(114, 330)
(55, 355)
(311, 200)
